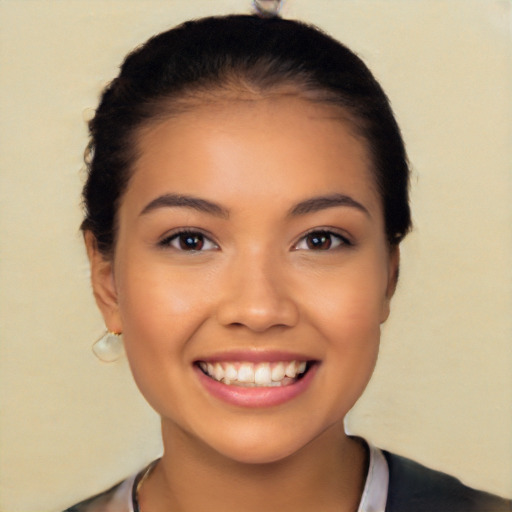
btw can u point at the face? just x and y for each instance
(251, 275)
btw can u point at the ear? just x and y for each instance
(393, 268)
(103, 284)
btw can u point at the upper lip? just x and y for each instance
(255, 356)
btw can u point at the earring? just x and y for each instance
(109, 347)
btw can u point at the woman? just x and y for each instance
(246, 198)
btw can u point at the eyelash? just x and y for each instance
(182, 235)
(324, 235)
(316, 236)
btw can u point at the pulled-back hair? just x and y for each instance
(198, 60)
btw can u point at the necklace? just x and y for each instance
(138, 487)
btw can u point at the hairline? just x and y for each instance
(225, 89)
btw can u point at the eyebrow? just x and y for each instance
(311, 205)
(316, 204)
(179, 200)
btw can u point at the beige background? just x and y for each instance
(442, 392)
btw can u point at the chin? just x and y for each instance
(266, 445)
(259, 453)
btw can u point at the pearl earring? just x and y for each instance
(109, 347)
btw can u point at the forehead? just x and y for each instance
(278, 146)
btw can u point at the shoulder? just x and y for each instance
(415, 487)
(116, 499)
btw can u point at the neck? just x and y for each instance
(327, 474)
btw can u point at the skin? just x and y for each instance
(258, 284)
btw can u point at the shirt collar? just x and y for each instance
(375, 492)
(373, 499)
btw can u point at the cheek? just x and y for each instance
(350, 321)
(160, 313)
(160, 309)
(348, 315)
(352, 301)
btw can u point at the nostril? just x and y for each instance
(257, 306)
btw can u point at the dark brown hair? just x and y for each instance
(217, 54)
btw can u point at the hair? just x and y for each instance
(203, 58)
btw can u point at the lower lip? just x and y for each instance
(257, 396)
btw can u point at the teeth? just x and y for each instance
(291, 370)
(230, 372)
(263, 375)
(254, 375)
(246, 372)
(278, 372)
(218, 371)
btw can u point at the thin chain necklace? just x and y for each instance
(148, 471)
(142, 479)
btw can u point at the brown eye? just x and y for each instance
(321, 241)
(188, 241)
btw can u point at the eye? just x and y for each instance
(321, 240)
(189, 241)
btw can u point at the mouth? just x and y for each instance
(246, 374)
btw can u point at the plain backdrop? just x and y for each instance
(442, 391)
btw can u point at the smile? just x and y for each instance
(256, 378)
(262, 374)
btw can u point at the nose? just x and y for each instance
(257, 296)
